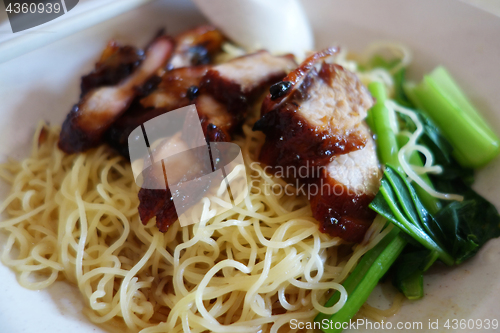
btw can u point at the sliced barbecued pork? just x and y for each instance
(99, 108)
(242, 79)
(314, 118)
(317, 117)
(197, 46)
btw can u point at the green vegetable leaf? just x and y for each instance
(404, 209)
(455, 233)
(408, 277)
(473, 221)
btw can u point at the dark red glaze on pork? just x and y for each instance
(342, 212)
(159, 204)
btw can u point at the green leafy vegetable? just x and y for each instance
(398, 202)
(410, 267)
(456, 232)
(473, 221)
(409, 277)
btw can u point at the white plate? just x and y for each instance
(45, 83)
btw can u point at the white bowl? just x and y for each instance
(44, 84)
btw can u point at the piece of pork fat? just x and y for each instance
(99, 108)
(197, 46)
(315, 119)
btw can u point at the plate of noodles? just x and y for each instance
(410, 243)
